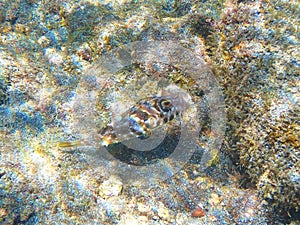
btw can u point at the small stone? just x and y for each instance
(111, 187)
(3, 212)
(143, 208)
(199, 212)
(53, 56)
(44, 41)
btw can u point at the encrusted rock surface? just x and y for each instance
(252, 48)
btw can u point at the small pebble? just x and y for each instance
(44, 41)
(111, 187)
(3, 212)
(143, 208)
(53, 56)
(199, 212)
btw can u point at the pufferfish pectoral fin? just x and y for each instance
(146, 134)
(108, 135)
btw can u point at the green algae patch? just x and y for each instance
(257, 61)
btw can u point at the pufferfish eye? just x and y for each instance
(165, 105)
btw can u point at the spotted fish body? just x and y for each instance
(139, 121)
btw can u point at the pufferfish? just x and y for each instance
(140, 120)
(143, 117)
